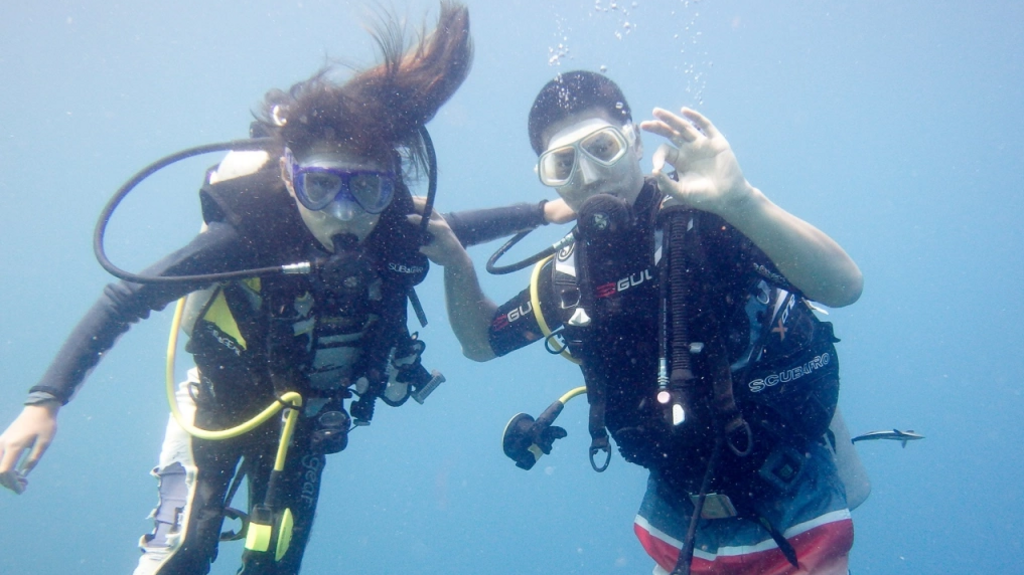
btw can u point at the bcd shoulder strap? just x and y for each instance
(259, 206)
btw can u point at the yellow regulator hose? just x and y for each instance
(289, 399)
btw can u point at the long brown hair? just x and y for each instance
(380, 110)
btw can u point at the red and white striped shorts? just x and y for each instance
(812, 516)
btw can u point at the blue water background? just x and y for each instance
(896, 127)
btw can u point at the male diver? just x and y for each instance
(685, 297)
(286, 364)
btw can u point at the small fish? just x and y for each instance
(895, 434)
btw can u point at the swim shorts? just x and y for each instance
(812, 516)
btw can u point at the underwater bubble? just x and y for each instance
(602, 68)
(619, 105)
(557, 53)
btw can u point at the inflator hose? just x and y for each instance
(291, 400)
(681, 378)
(250, 144)
(538, 314)
(104, 219)
(492, 262)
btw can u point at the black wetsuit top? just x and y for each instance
(739, 284)
(221, 247)
(738, 265)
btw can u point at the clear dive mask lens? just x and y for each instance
(316, 187)
(606, 147)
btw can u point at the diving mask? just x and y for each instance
(316, 187)
(605, 146)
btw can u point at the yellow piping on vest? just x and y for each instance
(541, 322)
(291, 400)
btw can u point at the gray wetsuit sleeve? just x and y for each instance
(474, 227)
(121, 304)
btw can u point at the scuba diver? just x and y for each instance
(685, 296)
(287, 363)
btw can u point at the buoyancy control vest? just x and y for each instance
(780, 357)
(337, 331)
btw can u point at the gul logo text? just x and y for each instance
(612, 288)
(503, 321)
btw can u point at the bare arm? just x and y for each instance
(558, 212)
(25, 440)
(810, 259)
(469, 310)
(710, 179)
